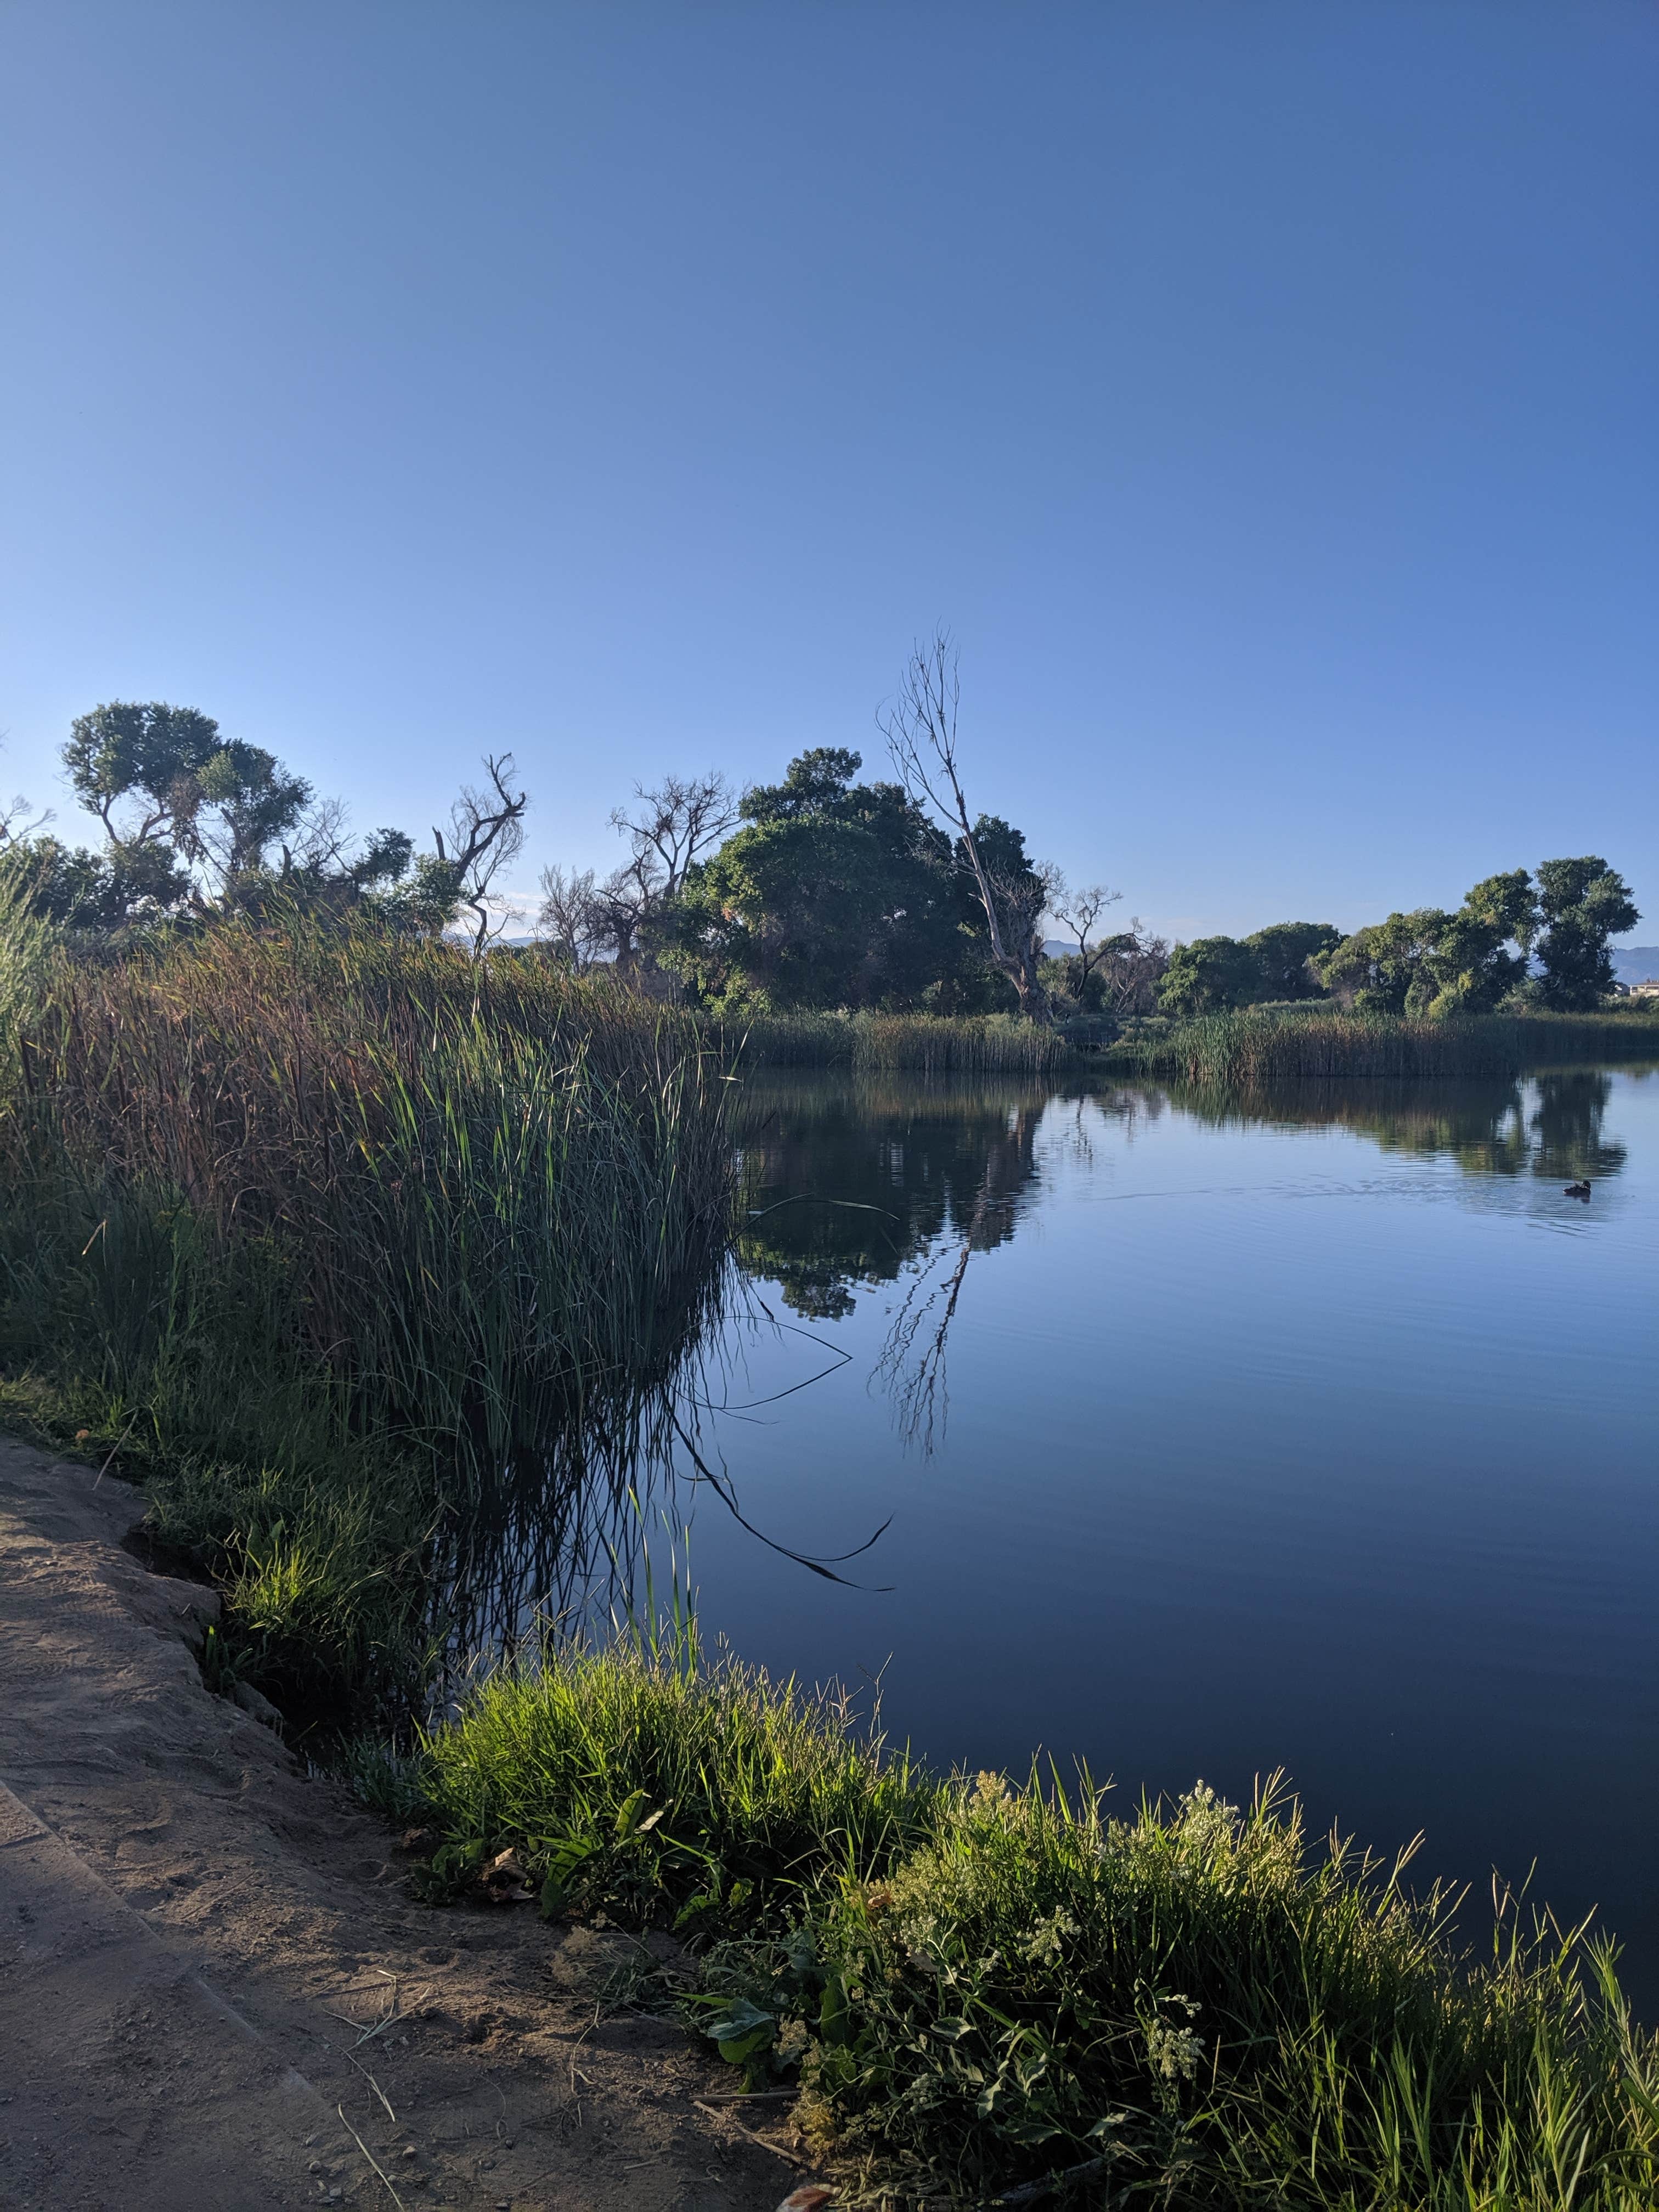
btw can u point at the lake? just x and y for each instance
(1311, 1431)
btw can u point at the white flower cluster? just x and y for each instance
(1046, 1943)
(1173, 2052)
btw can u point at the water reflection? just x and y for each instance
(852, 1182)
(556, 1532)
(850, 1185)
(1547, 1125)
(1310, 1427)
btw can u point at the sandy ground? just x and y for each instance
(195, 1936)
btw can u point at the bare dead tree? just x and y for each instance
(669, 829)
(320, 840)
(573, 921)
(920, 730)
(20, 820)
(1131, 966)
(912, 1362)
(1077, 909)
(486, 832)
(674, 824)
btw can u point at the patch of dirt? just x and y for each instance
(214, 1990)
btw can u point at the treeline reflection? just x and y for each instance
(850, 1185)
(1546, 1125)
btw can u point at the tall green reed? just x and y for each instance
(490, 1189)
(1263, 1046)
(930, 1044)
(333, 1230)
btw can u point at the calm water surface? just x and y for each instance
(1312, 1430)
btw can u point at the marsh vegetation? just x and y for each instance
(391, 1264)
(329, 1230)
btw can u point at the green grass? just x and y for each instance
(658, 1786)
(1264, 1045)
(976, 1985)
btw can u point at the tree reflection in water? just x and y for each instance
(850, 1185)
(1546, 1125)
(891, 1182)
(854, 1183)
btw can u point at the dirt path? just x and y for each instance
(195, 1936)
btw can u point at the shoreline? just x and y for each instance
(196, 1913)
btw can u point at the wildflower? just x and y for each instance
(991, 1793)
(1173, 2053)
(1046, 1943)
(1207, 1820)
(920, 1933)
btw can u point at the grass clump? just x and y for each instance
(661, 1789)
(978, 1987)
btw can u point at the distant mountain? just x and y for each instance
(1636, 963)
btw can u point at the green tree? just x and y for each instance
(96, 890)
(1430, 962)
(1582, 904)
(1211, 973)
(162, 776)
(1283, 953)
(833, 894)
(1389, 967)
(1472, 965)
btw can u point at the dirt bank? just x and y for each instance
(196, 1938)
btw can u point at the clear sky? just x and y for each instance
(1266, 395)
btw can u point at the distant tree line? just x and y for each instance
(823, 891)
(1517, 939)
(816, 891)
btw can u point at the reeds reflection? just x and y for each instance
(856, 1185)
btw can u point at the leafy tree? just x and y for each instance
(1430, 962)
(1473, 968)
(1581, 905)
(162, 777)
(95, 890)
(833, 894)
(1389, 967)
(196, 820)
(817, 782)
(1211, 973)
(1282, 954)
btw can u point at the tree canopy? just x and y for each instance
(198, 825)
(1431, 962)
(833, 893)
(1215, 972)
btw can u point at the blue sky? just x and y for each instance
(1265, 395)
